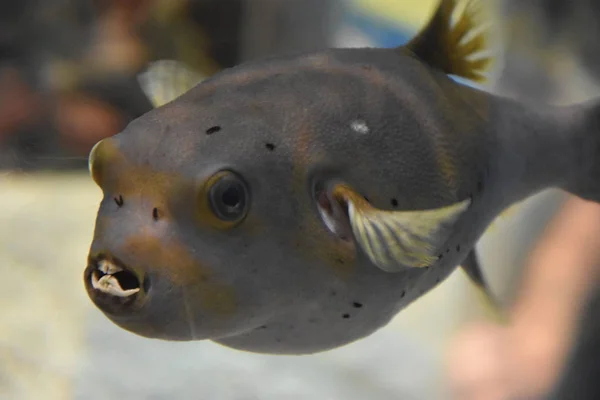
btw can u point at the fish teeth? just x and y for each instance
(110, 285)
(108, 268)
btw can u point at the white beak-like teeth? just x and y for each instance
(108, 268)
(107, 283)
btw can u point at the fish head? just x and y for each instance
(213, 225)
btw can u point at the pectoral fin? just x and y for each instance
(472, 268)
(397, 240)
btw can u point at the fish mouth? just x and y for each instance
(333, 211)
(112, 285)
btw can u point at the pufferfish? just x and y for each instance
(296, 204)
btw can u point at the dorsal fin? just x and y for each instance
(451, 47)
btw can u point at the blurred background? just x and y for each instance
(68, 79)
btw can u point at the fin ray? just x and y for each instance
(449, 46)
(398, 240)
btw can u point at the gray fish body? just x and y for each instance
(382, 122)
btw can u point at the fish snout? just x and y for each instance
(113, 286)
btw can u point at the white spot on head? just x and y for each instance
(360, 126)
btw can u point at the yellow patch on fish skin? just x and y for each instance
(447, 166)
(173, 259)
(397, 240)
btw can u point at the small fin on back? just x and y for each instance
(397, 240)
(472, 267)
(165, 80)
(453, 48)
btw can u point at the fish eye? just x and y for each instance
(228, 196)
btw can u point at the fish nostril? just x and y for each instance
(155, 214)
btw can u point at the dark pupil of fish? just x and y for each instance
(228, 198)
(231, 197)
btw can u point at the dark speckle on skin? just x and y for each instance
(155, 214)
(357, 304)
(346, 316)
(270, 146)
(458, 247)
(213, 129)
(262, 327)
(333, 293)
(119, 200)
(394, 203)
(403, 294)
(367, 199)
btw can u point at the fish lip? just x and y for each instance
(332, 211)
(114, 295)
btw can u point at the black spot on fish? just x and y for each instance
(458, 247)
(479, 186)
(262, 327)
(213, 129)
(437, 280)
(119, 200)
(367, 199)
(357, 305)
(270, 146)
(333, 293)
(346, 316)
(403, 294)
(394, 203)
(440, 256)
(448, 250)
(155, 214)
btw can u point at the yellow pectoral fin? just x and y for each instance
(397, 240)
(165, 80)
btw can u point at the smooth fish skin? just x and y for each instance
(296, 204)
